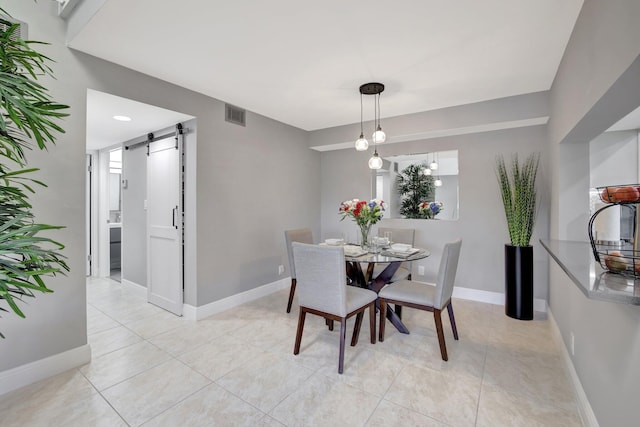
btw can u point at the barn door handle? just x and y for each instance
(174, 212)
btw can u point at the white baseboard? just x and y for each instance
(197, 313)
(489, 297)
(134, 288)
(584, 407)
(30, 373)
(540, 305)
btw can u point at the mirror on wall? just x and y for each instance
(419, 186)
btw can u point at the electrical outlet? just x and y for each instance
(573, 344)
(280, 269)
(421, 270)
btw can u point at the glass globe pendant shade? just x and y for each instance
(433, 166)
(438, 182)
(375, 162)
(362, 144)
(379, 136)
(427, 171)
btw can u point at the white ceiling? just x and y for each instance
(302, 62)
(103, 131)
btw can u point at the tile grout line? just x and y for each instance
(103, 397)
(488, 348)
(484, 365)
(185, 397)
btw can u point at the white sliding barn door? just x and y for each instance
(164, 225)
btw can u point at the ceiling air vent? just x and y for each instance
(235, 115)
(21, 30)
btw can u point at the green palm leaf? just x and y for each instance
(27, 120)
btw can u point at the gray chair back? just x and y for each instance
(447, 273)
(399, 235)
(302, 235)
(321, 277)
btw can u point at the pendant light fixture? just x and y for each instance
(437, 182)
(378, 137)
(375, 162)
(361, 144)
(434, 164)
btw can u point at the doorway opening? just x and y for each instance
(117, 223)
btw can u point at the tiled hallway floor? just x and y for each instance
(237, 369)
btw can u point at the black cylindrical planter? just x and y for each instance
(518, 276)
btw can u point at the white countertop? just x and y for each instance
(577, 260)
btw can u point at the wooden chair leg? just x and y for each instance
(356, 328)
(301, 317)
(383, 318)
(329, 324)
(398, 308)
(443, 347)
(453, 320)
(372, 321)
(343, 331)
(291, 292)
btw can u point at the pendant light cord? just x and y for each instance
(375, 123)
(361, 128)
(378, 124)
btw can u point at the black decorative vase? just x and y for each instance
(518, 276)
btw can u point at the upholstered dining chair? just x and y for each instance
(323, 291)
(424, 296)
(302, 235)
(398, 235)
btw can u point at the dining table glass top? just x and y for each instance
(354, 253)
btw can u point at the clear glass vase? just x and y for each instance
(365, 229)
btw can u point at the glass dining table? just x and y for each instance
(363, 278)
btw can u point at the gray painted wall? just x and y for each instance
(481, 224)
(513, 108)
(598, 83)
(613, 158)
(252, 183)
(55, 322)
(134, 224)
(134, 215)
(603, 45)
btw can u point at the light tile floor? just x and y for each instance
(237, 369)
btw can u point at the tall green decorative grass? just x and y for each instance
(518, 189)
